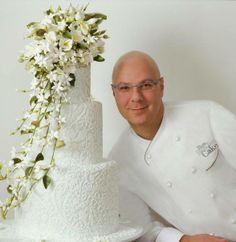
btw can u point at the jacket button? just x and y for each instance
(212, 195)
(178, 138)
(148, 156)
(169, 184)
(233, 221)
(193, 170)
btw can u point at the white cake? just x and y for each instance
(82, 202)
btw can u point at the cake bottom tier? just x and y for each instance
(82, 202)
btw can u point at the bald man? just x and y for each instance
(177, 160)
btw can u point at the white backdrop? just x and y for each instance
(194, 43)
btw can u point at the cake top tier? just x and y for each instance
(80, 92)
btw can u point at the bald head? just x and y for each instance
(133, 57)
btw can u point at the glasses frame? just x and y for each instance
(138, 85)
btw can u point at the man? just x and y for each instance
(179, 158)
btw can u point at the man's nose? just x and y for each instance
(136, 94)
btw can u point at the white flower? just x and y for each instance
(34, 83)
(11, 164)
(39, 60)
(59, 88)
(61, 119)
(47, 19)
(56, 134)
(84, 27)
(13, 152)
(37, 168)
(58, 107)
(45, 46)
(91, 39)
(41, 97)
(61, 25)
(77, 36)
(52, 76)
(32, 49)
(27, 148)
(51, 37)
(92, 21)
(66, 44)
(52, 136)
(14, 191)
(79, 14)
(23, 183)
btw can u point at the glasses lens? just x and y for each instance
(147, 85)
(123, 87)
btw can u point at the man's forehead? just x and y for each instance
(136, 69)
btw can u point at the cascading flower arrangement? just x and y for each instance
(62, 42)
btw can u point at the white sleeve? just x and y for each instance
(223, 124)
(155, 229)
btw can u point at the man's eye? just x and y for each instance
(124, 88)
(146, 85)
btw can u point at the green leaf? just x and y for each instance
(39, 157)
(82, 46)
(1, 166)
(28, 171)
(49, 11)
(49, 99)
(28, 131)
(98, 58)
(34, 99)
(21, 58)
(46, 181)
(100, 32)
(72, 82)
(16, 160)
(105, 36)
(94, 15)
(9, 189)
(93, 31)
(67, 35)
(31, 24)
(98, 21)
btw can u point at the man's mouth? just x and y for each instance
(137, 108)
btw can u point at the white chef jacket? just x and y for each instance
(186, 174)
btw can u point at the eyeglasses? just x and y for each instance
(145, 85)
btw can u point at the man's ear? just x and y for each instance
(162, 85)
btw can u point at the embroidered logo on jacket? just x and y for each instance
(205, 149)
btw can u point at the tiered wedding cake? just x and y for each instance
(59, 184)
(83, 200)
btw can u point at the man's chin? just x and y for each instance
(137, 122)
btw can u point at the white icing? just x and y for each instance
(81, 203)
(80, 92)
(126, 232)
(82, 134)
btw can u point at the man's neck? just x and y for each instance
(149, 131)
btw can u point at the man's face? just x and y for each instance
(139, 107)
